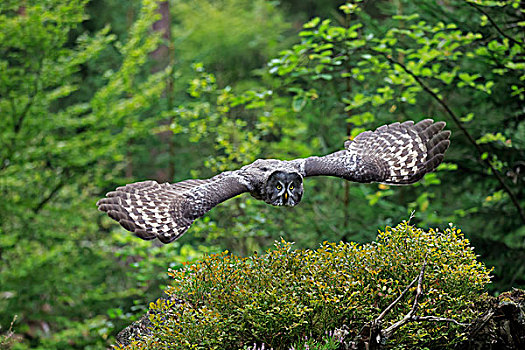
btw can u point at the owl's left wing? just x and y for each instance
(393, 154)
(165, 211)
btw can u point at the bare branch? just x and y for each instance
(374, 333)
(412, 215)
(18, 124)
(47, 198)
(394, 303)
(471, 139)
(373, 337)
(477, 326)
(9, 334)
(19, 119)
(498, 29)
(409, 316)
(437, 319)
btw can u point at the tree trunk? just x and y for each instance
(164, 57)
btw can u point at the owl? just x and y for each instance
(394, 154)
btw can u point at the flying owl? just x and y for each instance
(396, 154)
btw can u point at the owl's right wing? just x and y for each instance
(394, 154)
(165, 211)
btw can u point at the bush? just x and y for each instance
(281, 298)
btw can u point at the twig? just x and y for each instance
(479, 9)
(346, 185)
(47, 198)
(17, 122)
(412, 215)
(437, 319)
(458, 123)
(374, 333)
(53, 192)
(4, 339)
(377, 336)
(409, 316)
(481, 324)
(391, 306)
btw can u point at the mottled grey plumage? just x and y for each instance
(395, 154)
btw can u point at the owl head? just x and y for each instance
(284, 188)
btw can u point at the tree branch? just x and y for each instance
(409, 316)
(437, 319)
(373, 336)
(17, 122)
(498, 29)
(47, 198)
(394, 303)
(458, 123)
(18, 125)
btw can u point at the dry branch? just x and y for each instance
(373, 336)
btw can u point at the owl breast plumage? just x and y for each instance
(397, 154)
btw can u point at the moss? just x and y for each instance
(286, 295)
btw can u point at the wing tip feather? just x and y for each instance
(152, 210)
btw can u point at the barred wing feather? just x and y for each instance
(393, 154)
(166, 211)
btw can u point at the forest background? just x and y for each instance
(97, 94)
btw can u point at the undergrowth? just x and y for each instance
(290, 298)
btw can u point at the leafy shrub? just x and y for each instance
(287, 295)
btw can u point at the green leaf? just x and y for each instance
(298, 103)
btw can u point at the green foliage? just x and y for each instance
(81, 108)
(413, 60)
(85, 106)
(407, 60)
(330, 341)
(6, 338)
(285, 295)
(59, 271)
(239, 35)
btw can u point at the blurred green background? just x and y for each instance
(97, 94)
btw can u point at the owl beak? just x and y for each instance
(285, 196)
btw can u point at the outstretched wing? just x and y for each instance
(393, 154)
(165, 211)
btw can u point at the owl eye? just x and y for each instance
(279, 187)
(291, 187)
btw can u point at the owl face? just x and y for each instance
(284, 189)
